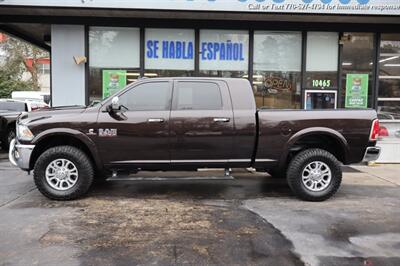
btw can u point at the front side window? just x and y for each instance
(198, 96)
(152, 96)
(277, 69)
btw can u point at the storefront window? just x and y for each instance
(322, 60)
(114, 60)
(169, 52)
(357, 67)
(389, 77)
(277, 69)
(224, 53)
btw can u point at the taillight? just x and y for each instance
(374, 130)
(383, 132)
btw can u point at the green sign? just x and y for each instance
(113, 81)
(356, 91)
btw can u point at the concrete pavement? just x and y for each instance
(360, 226)
(250, 220)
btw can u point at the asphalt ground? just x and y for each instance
(251, 219)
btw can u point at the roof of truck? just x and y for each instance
(196, 78)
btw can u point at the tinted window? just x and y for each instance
(13, 106)
(198, 96)
(152, 96)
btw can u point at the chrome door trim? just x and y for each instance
(264, 160)
(185, 161)
(221, 119)
(155, 120)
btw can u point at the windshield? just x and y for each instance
(100, 102)
(13, 106)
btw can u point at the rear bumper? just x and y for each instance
(372, 154)
(20, 155)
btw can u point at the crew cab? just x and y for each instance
(186, 124)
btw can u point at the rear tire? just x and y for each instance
(314, 175)
(63, 173)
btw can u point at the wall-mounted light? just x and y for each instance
(345, 38)
(80, 59)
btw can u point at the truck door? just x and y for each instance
(138, 135)
(202, 130)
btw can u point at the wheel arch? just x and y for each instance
(60, 137)
(317, 137)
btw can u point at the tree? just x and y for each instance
(19, 57)
(9, 82)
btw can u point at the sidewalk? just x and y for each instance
(387, 172)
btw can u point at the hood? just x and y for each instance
(50, 113)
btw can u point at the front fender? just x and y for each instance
(42, 136)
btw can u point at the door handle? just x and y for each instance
(221, 119)
(155, 120)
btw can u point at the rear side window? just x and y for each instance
(13, 106)
(152, 96)
(198, 96)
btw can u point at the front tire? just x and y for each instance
(5, 144)
(63, 173)
(314, 175)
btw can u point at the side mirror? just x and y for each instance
(114, 106)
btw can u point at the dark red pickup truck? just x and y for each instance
(186, 124)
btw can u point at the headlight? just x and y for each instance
(24, 133)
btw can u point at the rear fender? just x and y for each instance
(314, 131)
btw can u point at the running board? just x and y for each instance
(115, 176)
(157, 178)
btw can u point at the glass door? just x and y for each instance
(320, 99)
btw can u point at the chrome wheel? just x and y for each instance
(61, 174)
(316, 176)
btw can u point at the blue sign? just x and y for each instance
(221, 51)
(170, 49)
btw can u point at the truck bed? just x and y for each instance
(280, 131)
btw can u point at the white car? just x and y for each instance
(21, 105)
(37, 96)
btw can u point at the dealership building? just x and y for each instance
(297, 54)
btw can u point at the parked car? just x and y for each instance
(10, 109)
(186, 124)
(38, 96)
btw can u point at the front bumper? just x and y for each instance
(372, 154)
(20, 154)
